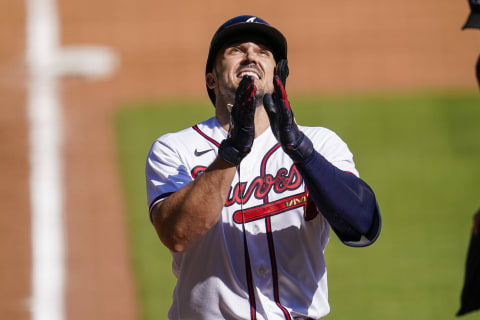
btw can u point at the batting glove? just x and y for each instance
(242, 128)
(283, 125)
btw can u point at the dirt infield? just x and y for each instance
(334, 46)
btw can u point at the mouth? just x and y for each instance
(249, 72)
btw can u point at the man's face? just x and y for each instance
(242, 59)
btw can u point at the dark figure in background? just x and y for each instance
(473, 22)
(471, 289)
(470, 300)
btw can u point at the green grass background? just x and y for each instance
(420, 152)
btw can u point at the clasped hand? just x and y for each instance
(282, 123)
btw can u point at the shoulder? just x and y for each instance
(186, 132)
(319, 131)
(323, 137)
(332, 147)
(204, 131)
(188, 146)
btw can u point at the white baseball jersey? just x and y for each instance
(264, 257)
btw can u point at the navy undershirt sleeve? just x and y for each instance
(346, 201)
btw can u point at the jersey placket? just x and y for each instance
(261, 250)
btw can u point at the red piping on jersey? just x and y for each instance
(251, 292)
(196, 128)
(280, 204)
(273, 260)
(267, 156)
(248, 268)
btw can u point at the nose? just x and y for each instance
(251, 56)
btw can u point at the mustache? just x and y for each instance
(251, 67)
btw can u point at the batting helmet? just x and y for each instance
(245, 28)
(473, 20)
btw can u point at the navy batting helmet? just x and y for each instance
(473, 20)
(245, 28)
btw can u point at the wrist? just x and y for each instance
(301, 151)
(231, 154)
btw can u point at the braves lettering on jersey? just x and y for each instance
(264, 258)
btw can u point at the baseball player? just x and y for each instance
(473, 22)
(245, 200)
(470, 296)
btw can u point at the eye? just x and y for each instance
(264, 52)
(234, 50)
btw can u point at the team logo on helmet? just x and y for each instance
(252, 19)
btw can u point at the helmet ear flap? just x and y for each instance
(282, 71)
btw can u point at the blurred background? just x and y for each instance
(395, 80)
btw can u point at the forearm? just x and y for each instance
(192, 211)
(346, 201)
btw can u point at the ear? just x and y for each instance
(211, 80)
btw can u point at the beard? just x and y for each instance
(228, 93)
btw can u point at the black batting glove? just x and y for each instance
(282, 122)
(242, 128)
